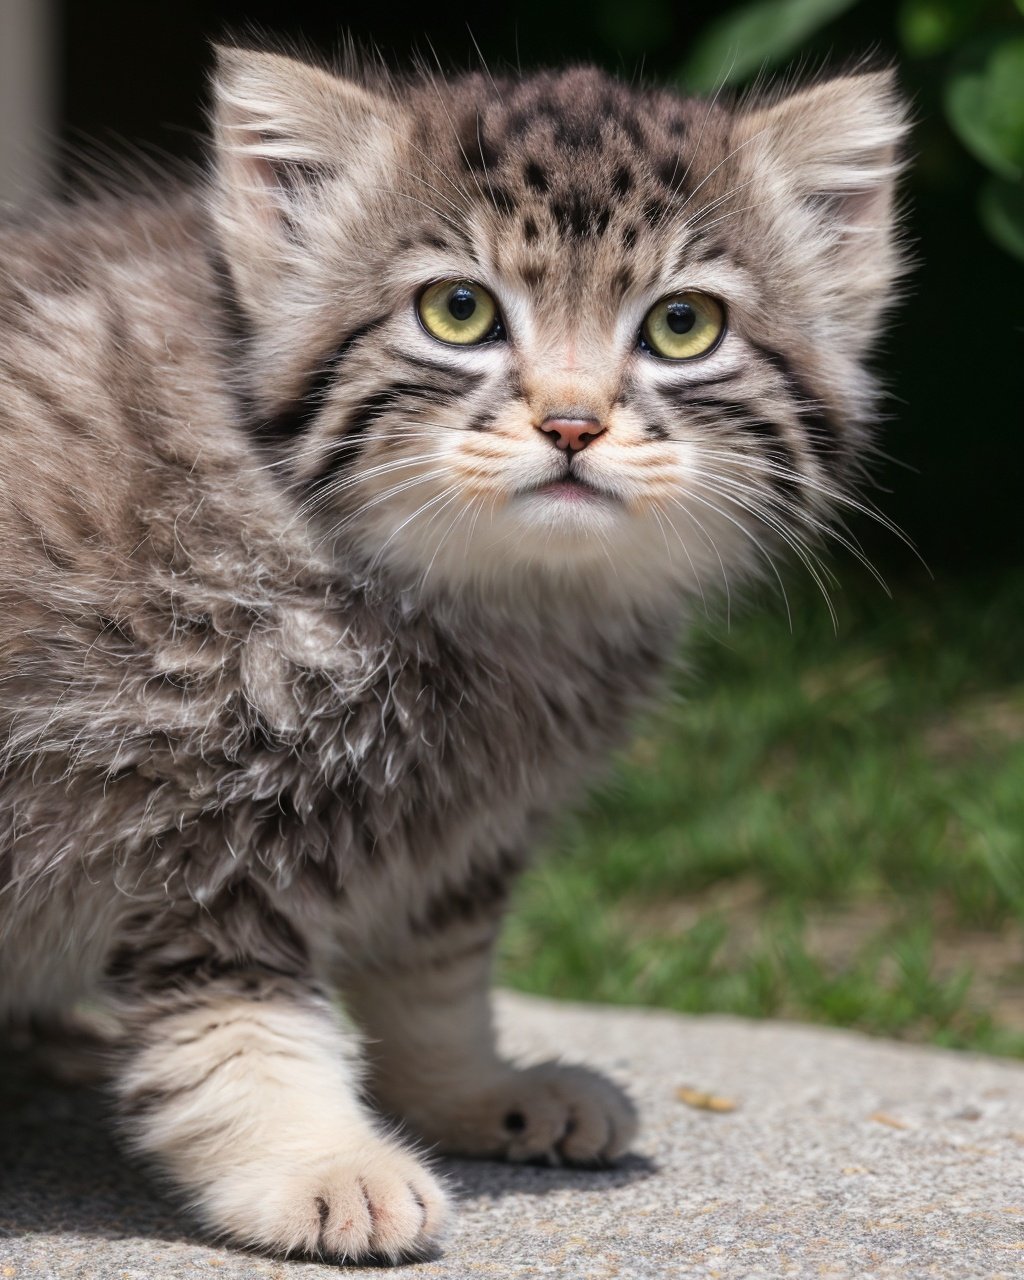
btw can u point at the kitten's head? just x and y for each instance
(557, 328)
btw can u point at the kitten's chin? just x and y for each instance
(553, 544)
(577, 509)
(555, 540)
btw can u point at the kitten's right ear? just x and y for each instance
(284, 130)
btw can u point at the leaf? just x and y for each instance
(761, 34)
(883, 1117)
(702, 1101)
(928, 27)
(985, 103)
(1001, 209)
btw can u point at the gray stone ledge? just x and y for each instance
(844, 1157)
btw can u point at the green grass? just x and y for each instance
(821, 826)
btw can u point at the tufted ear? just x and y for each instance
(826, 159)
(284, 132)
(834, 147)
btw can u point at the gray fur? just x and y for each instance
(276, 724)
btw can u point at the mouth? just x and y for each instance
(570, 488)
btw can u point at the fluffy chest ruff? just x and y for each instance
(352, 757)
(374, 736)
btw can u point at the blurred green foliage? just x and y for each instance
(820, 827)
(985, 104)
(754, 38)
(982, 71)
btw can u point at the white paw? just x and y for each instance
(376, 1202)
(559, 1114)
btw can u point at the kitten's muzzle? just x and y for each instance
(571, 434)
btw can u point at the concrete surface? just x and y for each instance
(844, 1157)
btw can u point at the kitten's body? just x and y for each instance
(273, 725)
(205, 641)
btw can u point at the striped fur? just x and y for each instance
(298, 653)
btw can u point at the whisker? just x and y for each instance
(686, 552)
(810, 562)
(820, 527)
(758, 545)
(408, 173)
(704, 124)
(707, 208)
(392, 492)
(836, 496)
(733, 213)
(459, 515)
(418, 512)
(455, 132)
(735, 151)
(718, 555)
(341, 485)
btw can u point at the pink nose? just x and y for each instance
(571, 433)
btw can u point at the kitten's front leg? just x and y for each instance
(244, 1089)
(433, 1061)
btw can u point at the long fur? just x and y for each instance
(298, 651)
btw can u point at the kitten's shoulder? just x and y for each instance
(116, 420)
(64, 245)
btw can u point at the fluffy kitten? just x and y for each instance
(352, 503)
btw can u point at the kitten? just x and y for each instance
(353, 502)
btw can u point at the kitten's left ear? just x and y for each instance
(835, 144)
(827, 157)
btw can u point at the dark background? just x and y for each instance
(953, 362)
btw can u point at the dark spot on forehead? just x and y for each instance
(595, 156)
(630, 126)
(579, 133)
(654, 210)
(623, 180)
(672, 171)
(574, 216)
(623, 279)
(530, 114)
(502, 199)
(535, 177)
(534, 273)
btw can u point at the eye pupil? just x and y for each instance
(680, 317)
(459, 312)
(683, 326)
(462, 304)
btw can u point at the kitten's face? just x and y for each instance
(558, 326)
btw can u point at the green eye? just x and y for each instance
(683, 326)
(458, 311)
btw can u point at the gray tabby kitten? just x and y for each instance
(352, 504)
